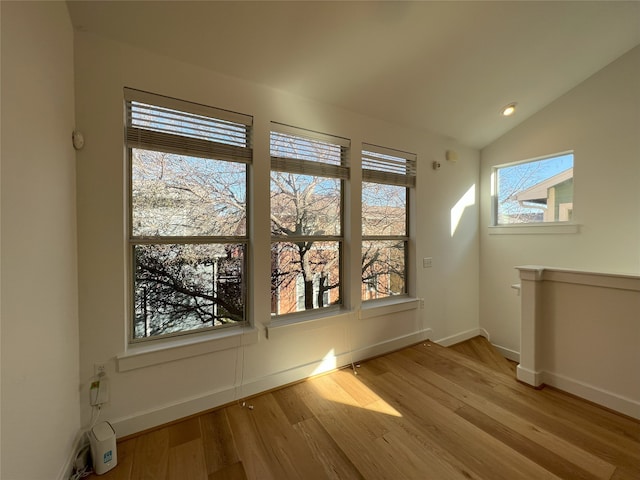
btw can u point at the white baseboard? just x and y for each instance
(190, 406)
(597, 395)
(461, 337)
(529, 376)
(508, 353)
(485, 334)
(619, 403)
(393, 344)
(474, 332)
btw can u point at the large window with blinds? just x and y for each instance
(308, 170)
(187, 172)
(388, 176)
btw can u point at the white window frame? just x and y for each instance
(337, 169)
(532, 227)
(170, 140)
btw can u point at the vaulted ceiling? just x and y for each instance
(446, 67)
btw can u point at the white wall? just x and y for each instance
(600, 121)
(40, 406)
(146, 396)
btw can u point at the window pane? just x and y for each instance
(185, 287)
(176, 195)
(384, 209)
(304, 276)
(535, 192)
(304, 204)
(383, 269)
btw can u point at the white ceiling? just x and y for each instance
(446, 67)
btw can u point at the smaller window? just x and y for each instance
(534, 191)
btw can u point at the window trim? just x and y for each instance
(548, 228)
(134, 138)
(169, 349)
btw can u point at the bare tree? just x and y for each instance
(183, 284)
(384, 220)
(511, 181)
(304, 208)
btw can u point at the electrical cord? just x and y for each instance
(82, 473)
(347, 330)
(93, 410)
(238, 386)
(86, 470)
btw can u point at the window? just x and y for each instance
(387, 179)
(534, 191)
(187, 169)
(307, 174)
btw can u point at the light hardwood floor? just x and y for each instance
(424, 412)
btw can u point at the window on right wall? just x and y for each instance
(534, 191)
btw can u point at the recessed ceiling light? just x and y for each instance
(509, 110)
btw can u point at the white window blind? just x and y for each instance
(305, 152)
(184, 128)
(385, 165)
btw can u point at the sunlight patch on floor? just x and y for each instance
(330, 389)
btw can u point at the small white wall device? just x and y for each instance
(103, 447)
(77, 139)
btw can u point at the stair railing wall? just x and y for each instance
(580, 332)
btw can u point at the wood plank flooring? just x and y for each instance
(424, 412)
(481, 350)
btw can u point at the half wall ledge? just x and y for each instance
(580, 332)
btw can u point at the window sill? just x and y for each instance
(305, 321)
(535, 229)
(387, 306)
(140, 356)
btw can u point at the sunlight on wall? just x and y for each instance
(328, 363)
(467, 200)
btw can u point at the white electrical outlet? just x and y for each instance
(99, 368)
(427, 262)
(422, 304)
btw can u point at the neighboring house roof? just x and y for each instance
(540, 191)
